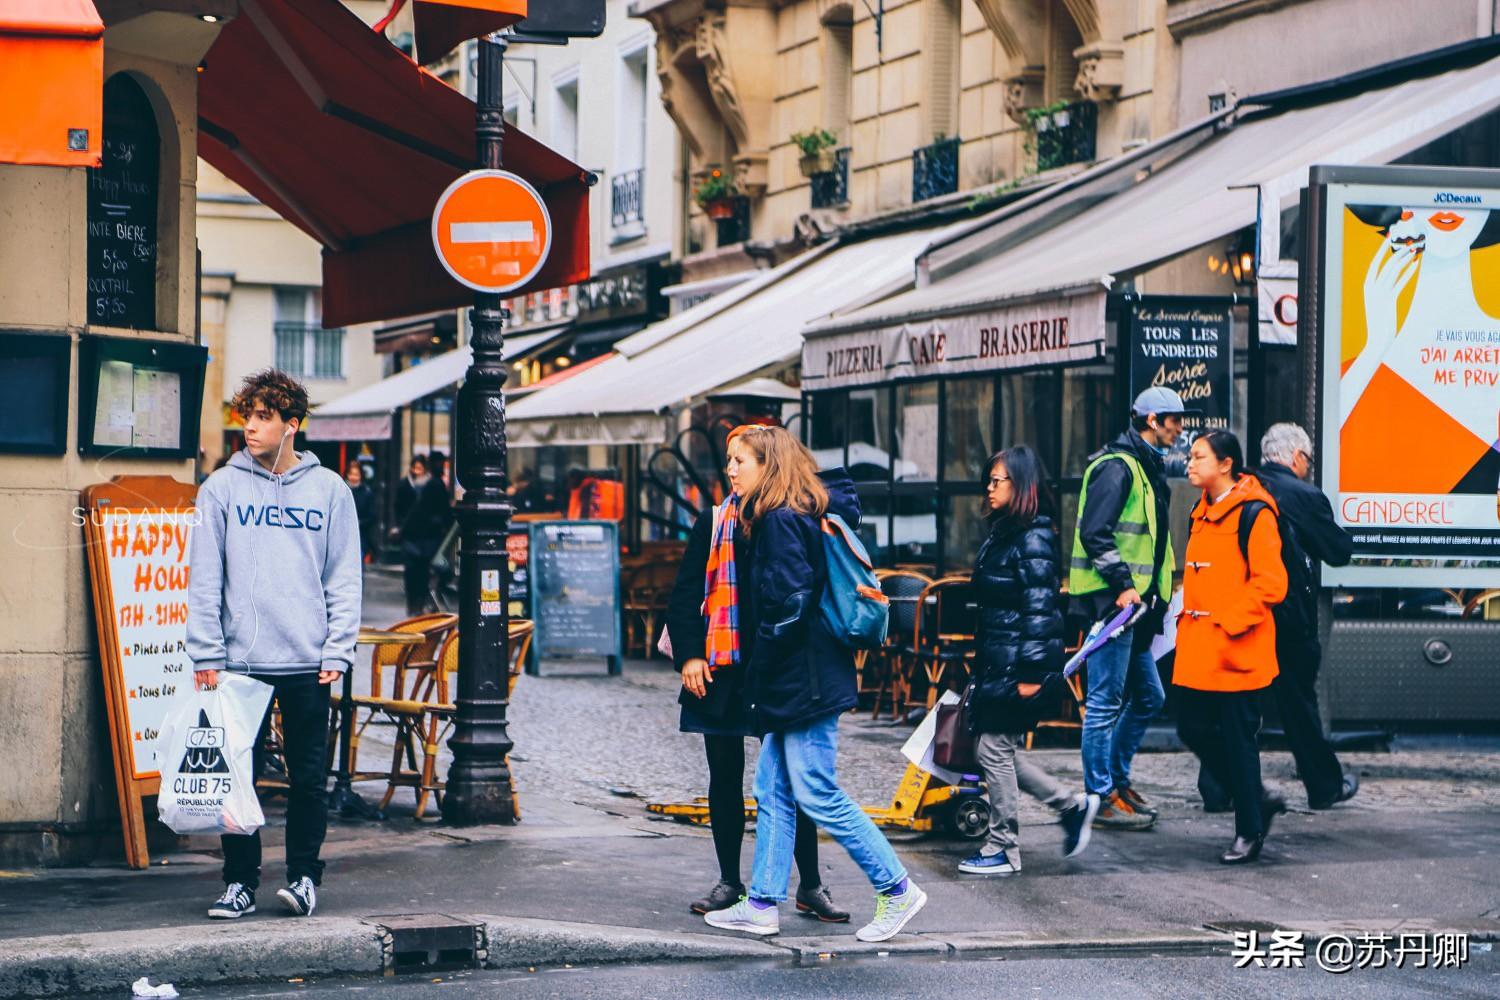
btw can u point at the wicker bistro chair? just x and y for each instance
(1070, 707)
(946, 623)
(407, 665)
(646, 591)
(884, 673)
(424, 720)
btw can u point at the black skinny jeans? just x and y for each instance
(304, 731)
(726, 813)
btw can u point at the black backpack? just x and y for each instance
(1296, 614)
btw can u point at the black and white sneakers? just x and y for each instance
(300, 897)
(238, 900)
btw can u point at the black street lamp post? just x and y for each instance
(479, 783)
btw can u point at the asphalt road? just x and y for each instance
(1149, 978)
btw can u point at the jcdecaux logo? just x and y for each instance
(1450, 198)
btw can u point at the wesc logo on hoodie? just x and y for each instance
(281, 517)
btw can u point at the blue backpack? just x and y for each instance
(853, 606)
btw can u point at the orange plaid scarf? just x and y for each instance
(721, 597)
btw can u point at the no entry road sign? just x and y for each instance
(491, 230)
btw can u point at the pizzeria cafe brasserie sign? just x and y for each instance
(1025, 335)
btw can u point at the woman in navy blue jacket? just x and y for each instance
(1018, 659)
(800, 680)
(714, 704)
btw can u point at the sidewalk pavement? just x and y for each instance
(573, 884)
(588, 877)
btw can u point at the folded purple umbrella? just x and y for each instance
(1102, 632)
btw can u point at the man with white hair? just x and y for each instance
(1310, 535)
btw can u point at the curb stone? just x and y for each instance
(70, 964)
(259, 950)
(514, 941)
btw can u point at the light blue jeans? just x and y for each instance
(1125, 694)
(796, 768)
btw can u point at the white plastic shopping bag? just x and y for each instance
(918, 748)
(1167, 641)
(206, 749)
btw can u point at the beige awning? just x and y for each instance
(1182, 192)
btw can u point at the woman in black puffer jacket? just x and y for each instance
(1019, 659)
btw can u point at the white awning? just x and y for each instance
(743, 332)
(1162, 201)
(759, 388)
(365, 414)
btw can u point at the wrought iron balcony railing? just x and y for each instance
(934, 170)
(831, 190)
(309, 351)
(625, 198)
(1067, 135)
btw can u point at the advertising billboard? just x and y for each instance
(1409, 289)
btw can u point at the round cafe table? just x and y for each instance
(343, 799)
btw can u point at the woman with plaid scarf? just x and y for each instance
(799, 678)
(706, 620)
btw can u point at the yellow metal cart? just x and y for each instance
(921, 804)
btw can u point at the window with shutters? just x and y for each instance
(838, 70)
(1063, 39)
(940, 51)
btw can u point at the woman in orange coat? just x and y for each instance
(1226, 637)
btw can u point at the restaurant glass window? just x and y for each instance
(916, 451)
(875, 524)
(914, 531)
(1029, 414)
(964, 530)
(1090, 416)
(1067, 521)
(869, 434)
(826, 426)
(1282, 399)
(969, 420)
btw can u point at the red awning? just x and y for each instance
(442, 24)
(52, 79)
(325, 121)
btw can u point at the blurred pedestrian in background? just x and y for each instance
(364, 508)
(422, 513)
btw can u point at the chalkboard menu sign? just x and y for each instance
(575, 591)
(1186, 344)
(122, 212)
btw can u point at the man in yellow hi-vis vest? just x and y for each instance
(1122, 556)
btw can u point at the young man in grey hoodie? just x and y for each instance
(274, 591)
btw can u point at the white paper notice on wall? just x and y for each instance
(147, 554)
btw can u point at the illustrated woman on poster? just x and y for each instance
(1446, 347)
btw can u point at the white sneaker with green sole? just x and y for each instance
(743, 916)
(892, 913)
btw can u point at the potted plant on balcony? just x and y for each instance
(818, 153)
(716, 194)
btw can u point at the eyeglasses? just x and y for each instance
(997, 480)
